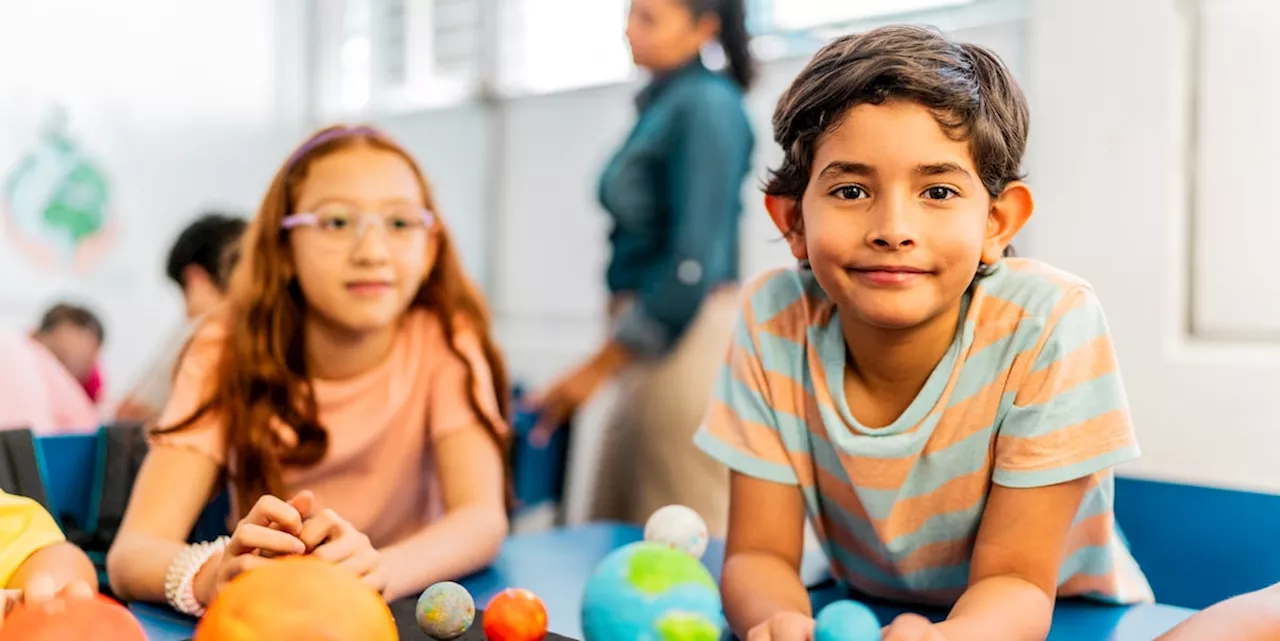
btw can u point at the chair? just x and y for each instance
(538, 473)
(89, 477)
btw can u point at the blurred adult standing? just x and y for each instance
(674, 193)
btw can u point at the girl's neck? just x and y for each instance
(335, 353)
(897, 363)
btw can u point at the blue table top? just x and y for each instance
(555, 565)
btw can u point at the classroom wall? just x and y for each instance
(179, 106)
(1115, 109)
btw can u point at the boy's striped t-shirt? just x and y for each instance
(1028, 395)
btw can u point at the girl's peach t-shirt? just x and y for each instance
(379, 471)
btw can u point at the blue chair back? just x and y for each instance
(538, 473)
(74, 468)
(1200, 545)
(71, 465)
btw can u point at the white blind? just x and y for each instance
(409, 53)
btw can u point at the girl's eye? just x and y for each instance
(849, 192)
(939, 192)
(335, 221)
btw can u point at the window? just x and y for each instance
(798, 15)
(392, 55)
(355, 73)
(554, 45)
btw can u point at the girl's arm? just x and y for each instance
(171, 490)
(469, 535)
(1013, 578)
(761, 578)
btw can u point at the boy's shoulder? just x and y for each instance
(786, 299)
(1035, 288)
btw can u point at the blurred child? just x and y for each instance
(37, 392)
(36, 563)
(349, 390)
(199, 263)
(947, 417)
(74, 335)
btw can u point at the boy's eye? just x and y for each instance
(849, 192)
(940, 193)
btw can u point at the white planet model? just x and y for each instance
(679, 527)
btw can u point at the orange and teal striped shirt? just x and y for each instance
(1028, 395)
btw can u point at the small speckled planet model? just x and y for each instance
(445, 610)
(678, 527)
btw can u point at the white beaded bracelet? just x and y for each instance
(179, 581)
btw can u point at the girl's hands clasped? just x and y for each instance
(270, 529)
(275, 528)
(332, 538)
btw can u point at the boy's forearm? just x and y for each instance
(1000, 608)
(63, 562)
(756, 586)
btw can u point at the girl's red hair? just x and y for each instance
(261, 376)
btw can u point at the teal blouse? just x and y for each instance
(674, 192)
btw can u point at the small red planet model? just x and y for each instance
(515, 615)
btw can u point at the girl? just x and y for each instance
(674, 191)
(349, 391)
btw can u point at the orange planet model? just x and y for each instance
(96, 619)
(297, 598)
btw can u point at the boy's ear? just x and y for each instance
(785, 213)
(1009, 212)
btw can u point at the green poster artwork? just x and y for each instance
(57, 200)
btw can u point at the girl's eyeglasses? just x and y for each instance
(342, 228)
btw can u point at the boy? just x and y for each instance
(948, 418)
(200, 263)
(36, 563)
